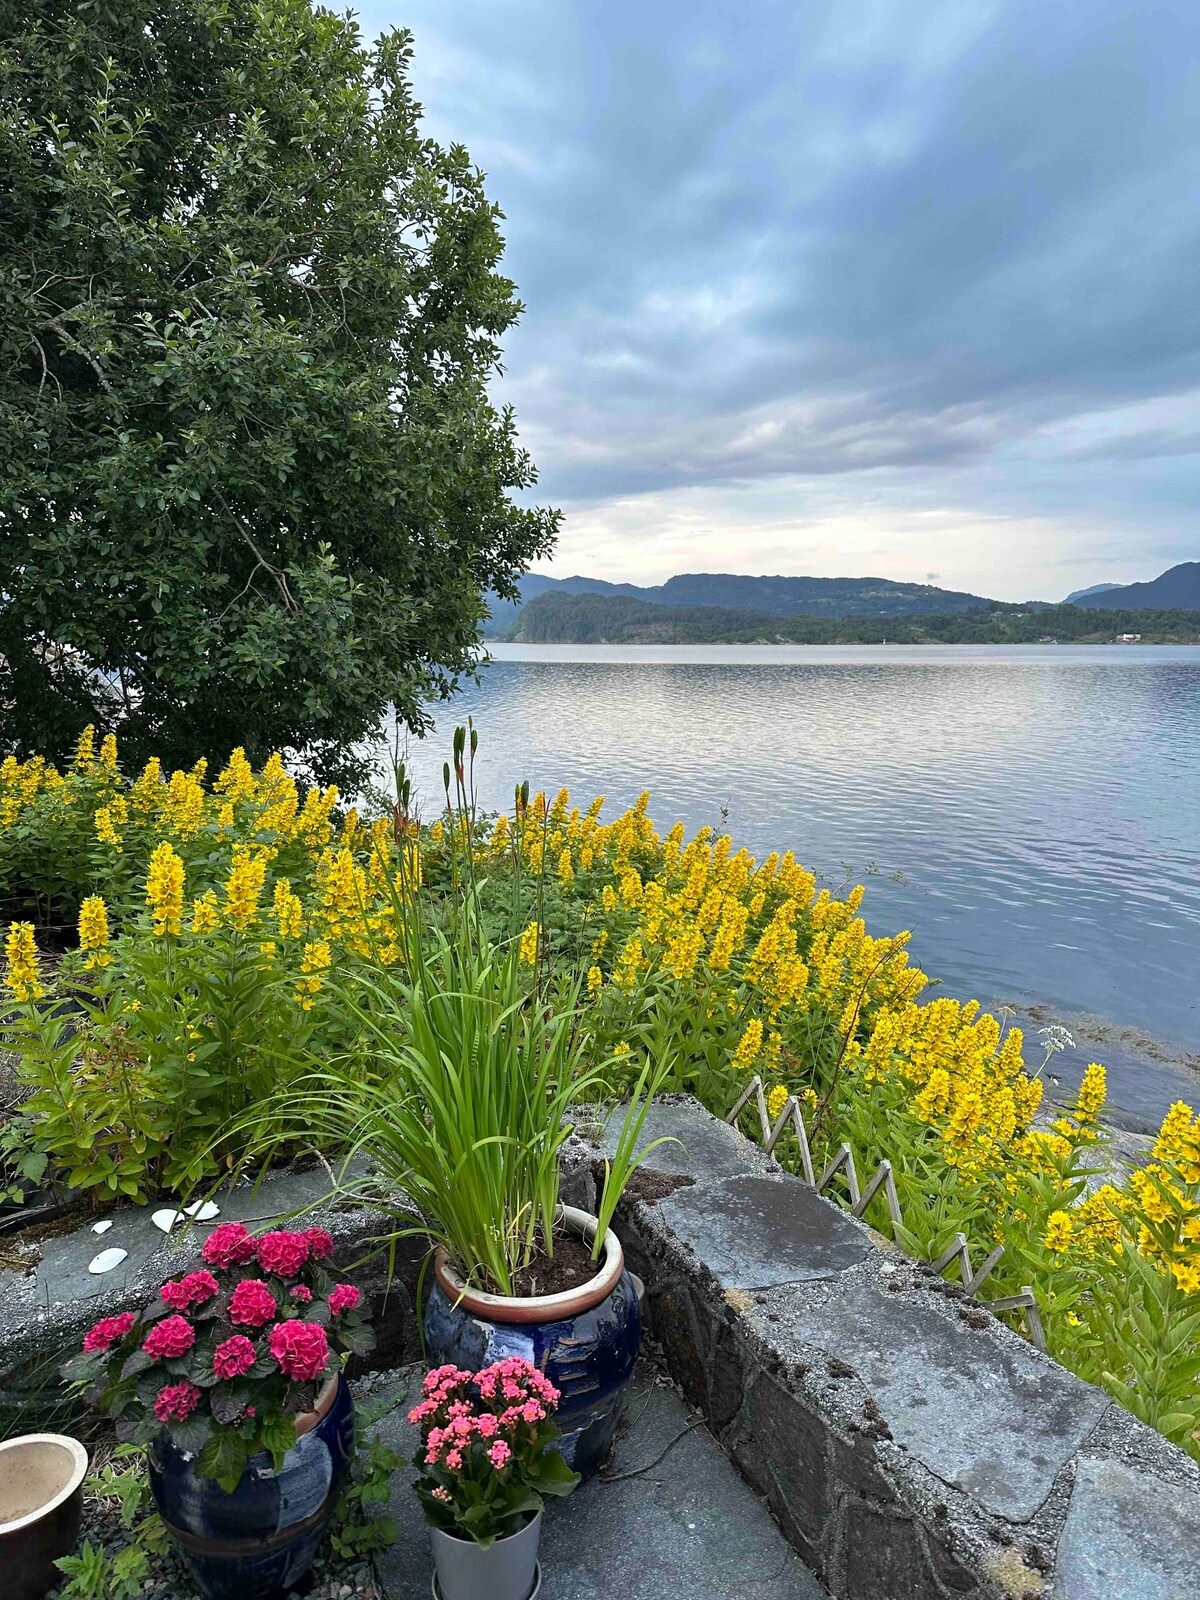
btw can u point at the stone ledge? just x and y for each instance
(911, 1446)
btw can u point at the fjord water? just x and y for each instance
(1031, 813)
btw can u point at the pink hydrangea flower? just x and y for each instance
(233, 1357)
(108, 1331)
(320, 1244)
(499, 1454)
(301, 1294)
(192, 1290)
(252, 1303)
(228, 1245)
(300, 1348)
(170, 1338)
(344, 1298)
(283, 1253)
(176, 1402)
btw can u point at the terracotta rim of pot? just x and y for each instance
(539, 1307)
(306, 1421)
(79, 1466)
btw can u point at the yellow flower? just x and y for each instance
(1058, 1231)
(93, 932)
(315, 960)
(1187, 1276)
(565, 871)
(205, 915)
(747, 1051)
(529, 945)
(242, 889)
(1093, 1092)
(108, 752)
(85, 750)
(164, 889)
(934, 1098)
(289, 911)
(236, 782)
(621, 1048)
(22, 977)
(107, 819)
(776, 1100)
(595, 979)
(608, 897)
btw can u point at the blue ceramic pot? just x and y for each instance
(262, 1538)
(585, 1341)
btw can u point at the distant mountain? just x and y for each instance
(1085, 594)
(555, 617)
(769, 596)
(1176, 589)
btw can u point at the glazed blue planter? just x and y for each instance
(586, 1341)
(262, 1538)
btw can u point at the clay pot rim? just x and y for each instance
(306, 1421)
(539, 1307)
(79, 1457)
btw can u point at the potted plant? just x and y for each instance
(231, 1377)
(459, 1094)
(486, 1462)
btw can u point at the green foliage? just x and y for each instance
(357, 1528)
(97, 1574)
(251, 485)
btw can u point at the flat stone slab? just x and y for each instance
(758, 1233)
(675, 1521)
(1127, 1534)
(992, 1417)
(702, 1147)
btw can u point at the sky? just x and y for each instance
(900, 288)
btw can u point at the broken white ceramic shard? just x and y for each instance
(102, 1227)
(166, 1220)
(107, 1260)
(203, 1210)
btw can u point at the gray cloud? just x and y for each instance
(940, 241)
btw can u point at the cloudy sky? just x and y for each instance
(895, 287)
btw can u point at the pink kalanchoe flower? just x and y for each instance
(283, 1253)
(454, 1459)
(423, 1409)
(192, 1290)
(228, 1245)
(441, 1494)
(320, 1244)
(499, 1454)
(233, 1357)
(344, 1298)
(532, 1412)
(300, 1348)
(172, 1337)
(176, 1402)
(486, 1426)
(107, 1331)
(252, 1303)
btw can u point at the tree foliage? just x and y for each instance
(251, 483)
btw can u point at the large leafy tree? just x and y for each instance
(251, 483)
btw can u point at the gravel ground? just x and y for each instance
(168, 1580)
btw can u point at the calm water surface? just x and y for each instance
(1031, 813)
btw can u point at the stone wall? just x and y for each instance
(911, 1445)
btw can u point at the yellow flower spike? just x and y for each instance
(595, 980)
(1059, 1228)
(565, 872)
(776, 1100)
(242, 890)
(164, 890)
(22, 978)
(749, 1046)
(608, 897)
(85, 750)
(528, 949)
(205, 915)
(93, 932)
(316, 960)
(236, 780)
(105, 824)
